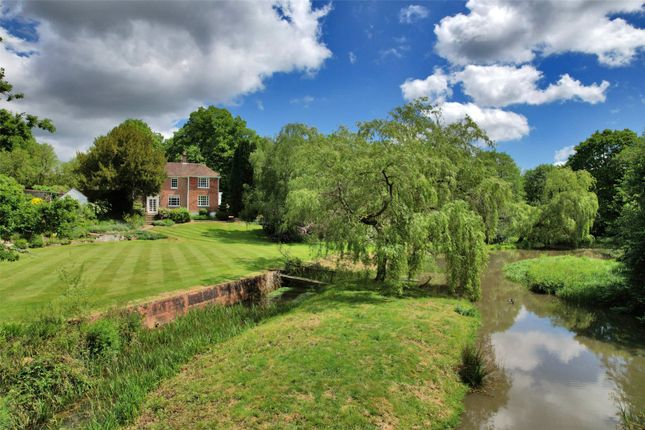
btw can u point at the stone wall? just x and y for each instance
(251, 289)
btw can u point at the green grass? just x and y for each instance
(348, 358)
(54, 375)
(200, 253)
(582, 280)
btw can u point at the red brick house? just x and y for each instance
(193, 186)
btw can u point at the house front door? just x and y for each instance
(152, 204)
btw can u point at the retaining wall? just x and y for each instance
(249, 289)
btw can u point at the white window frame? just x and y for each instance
(201, 205)
(170, 205)
(174, 183)
(199, 182)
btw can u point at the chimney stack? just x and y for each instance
(184, 158)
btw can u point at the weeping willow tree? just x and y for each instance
(569, 209)
(492, 198)
(385, 195)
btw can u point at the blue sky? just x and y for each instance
(89, 65)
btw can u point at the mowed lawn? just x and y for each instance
(198, 253)
(348, 358)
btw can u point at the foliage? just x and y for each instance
(473, 369)
(348, 342)
(581, 280)
(598, 155)
(467, 311)
(568, 210)
(534, 181)
(211, 136)
(381, 195)
(36, 241)
(134, 220)
(7, 254)
(102, 338)
(149, 235)
(492, 198)
(502, 166)
(30, 164)
(222, 215)
(178, 216)
(163, 223)
(50, 368)
(631, 224)
(241, 175)
(12, 200)
(59, 216)
(124, 164)
(274, 165)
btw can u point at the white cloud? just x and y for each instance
(304, 101)
(352, 58)
(562, 155)
(98, 63)
(500, 125)
(506, 85)
(259, 104)
(509, 31)
(412, 13)
(435, 87)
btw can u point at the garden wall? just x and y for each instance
(250, 289)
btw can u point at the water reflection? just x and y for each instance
(560, 367)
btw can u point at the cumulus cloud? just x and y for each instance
(435, 87)
(506, 85)
(509, 31)
(352, 58)
(412, 13)
(97, 63)
(562, 155)
(500, 125)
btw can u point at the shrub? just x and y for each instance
(467, 311)
(148, 235)
(36, 241)
(11, 201)
(138, 209)
(8, 255)
(222, 215)
(203, 212)
(21, 244)
(134, 220)
(473, 369)
(179, 215)
(163, 223)
(60, 216)
(102, 338)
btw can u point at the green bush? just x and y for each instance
(36, 241)
(163, 223)
(148, 235)
(12, 200)
(21, 244)
(467, 311)
(109, 227)
(8, 254)
(103, 338)
(179, 215)
(473, 368)
(203, 212)
(222, 215)
(134, 220)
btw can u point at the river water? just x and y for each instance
(558, 366)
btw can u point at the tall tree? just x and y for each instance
(241, 175)
(12, 199)
(492, 197)
(568, 211)
(123, 165)
(385, 194)
(534, 181)
(503, 166)
(598, 155)
(211, 136)
(632, 218)
(30, 164)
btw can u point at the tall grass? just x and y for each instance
(581, 280)
(473, 370)
(52, 376)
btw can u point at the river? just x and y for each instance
(557, 366)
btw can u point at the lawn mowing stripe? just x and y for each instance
(107, 274)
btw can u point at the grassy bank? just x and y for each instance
(348, 358)
(581, 280)
(200, 253)
(96, 375)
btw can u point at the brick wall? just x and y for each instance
(251, 289)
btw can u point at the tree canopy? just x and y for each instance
(388, 194)
(534, 180)
(598, 155)
(211, 136)
(123, 165)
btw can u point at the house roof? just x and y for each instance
(190, 169)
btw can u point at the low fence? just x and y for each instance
(250, 289)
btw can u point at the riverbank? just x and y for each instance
(349, 357)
